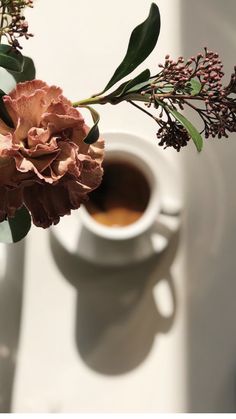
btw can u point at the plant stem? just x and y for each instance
(102, 100)
(89, 101)
(176, 96)
(143, 110)
(2, 21)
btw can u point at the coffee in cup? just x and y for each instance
(122, 197)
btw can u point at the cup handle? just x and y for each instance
(162, 231)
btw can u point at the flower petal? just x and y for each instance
(27, 88)
(45, 157)
(96, 150)
(25, 112)
(37, 166)
(66, 161)
(47, 203)
(38, 136)
(61, 122)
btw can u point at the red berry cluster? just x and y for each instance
(173, 87)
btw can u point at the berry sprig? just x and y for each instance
(196, 83)
(13, 23)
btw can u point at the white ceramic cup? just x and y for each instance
(82, 235)
(128, 148)
(121, 245)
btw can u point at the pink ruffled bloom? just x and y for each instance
(44, 162)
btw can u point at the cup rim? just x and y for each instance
(145, 158)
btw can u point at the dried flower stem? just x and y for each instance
(143, 110)
(13, 24)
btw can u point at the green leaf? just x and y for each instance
(28, 71)
(166, 89)
(141, 78)
(139, 87)
(126, 87)
(10, 59)
(196, 87)
(15, 229)
(20, 224)
(193, 132)
(4, 115)
(93, 134)
(142, 42)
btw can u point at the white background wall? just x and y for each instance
(210, 230)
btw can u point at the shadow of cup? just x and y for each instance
(117, 317)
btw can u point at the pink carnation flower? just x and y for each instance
(44, 162)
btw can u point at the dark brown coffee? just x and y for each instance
(122, 197)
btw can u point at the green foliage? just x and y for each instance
(142, 42)
(196, 87)
(193, 132)
(131, 85)
(15, 229)
(137, 88)
(93, 134)
(10, 59)
(28, 71)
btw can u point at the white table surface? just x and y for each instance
(123, 360)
